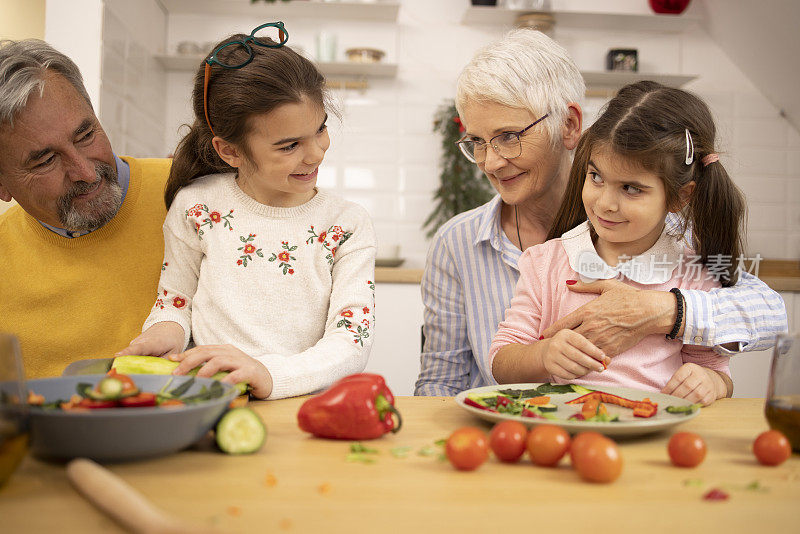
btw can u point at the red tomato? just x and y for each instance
(138, 401)
(686, 449)
(595, 457)
(772, 447)
(547, 444)
(128, 384)
(96, 404)
(507, 440)
(467, 448)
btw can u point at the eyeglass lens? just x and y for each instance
(507, 145)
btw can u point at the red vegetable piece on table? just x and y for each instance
(716, 494)
(358, 406)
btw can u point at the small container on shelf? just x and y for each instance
(364, 55)
(622, 59)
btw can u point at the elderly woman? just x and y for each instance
(518, 100)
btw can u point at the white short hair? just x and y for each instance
(525, 69)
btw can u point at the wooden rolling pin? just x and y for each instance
(117, 499)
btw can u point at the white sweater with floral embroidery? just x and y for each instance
(291, 287)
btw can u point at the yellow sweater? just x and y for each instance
(87, 297)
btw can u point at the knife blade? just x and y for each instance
(93, 366)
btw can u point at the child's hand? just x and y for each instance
(216, 358)
(569, 355)
(158, 340)
(696, 383)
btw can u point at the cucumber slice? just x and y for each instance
(547, 407)
(240, 431)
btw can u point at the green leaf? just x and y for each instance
(440, 442)
(83, 389)
(693, 482)
(358, 447)
(183, 388)
(400, 452)
(521, 393)
(359, 457)
(426, 451)
(547, 388)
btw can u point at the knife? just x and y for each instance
(94, 366)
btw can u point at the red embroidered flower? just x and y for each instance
(365, 322)
(215, 216)
(322, 236)
(365, 310)
(336, 237)
(291, 271)
(178, 302)
(196, 226)
(347, 313)
(238, 262)
(284, 256)
(249, 249)
(195, 210)
(165, 292)
(333, 251)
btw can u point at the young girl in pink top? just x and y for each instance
(650, 152)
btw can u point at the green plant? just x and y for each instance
(461, 184)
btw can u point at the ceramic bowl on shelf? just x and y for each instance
(364, 55)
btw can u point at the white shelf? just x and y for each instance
(375, 10)
(617, 79)
(583, 19)
(190, 62)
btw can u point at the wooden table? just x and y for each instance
(300, 484)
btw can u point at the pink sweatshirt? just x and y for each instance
(541, 297)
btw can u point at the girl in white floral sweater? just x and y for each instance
(270, 277)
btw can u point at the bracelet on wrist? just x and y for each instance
(679, 315)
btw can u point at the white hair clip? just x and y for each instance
(689, 148)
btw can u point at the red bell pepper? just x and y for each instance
(358, 406)
(475, 404)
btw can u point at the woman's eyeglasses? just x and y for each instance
(507, 145)
(214, 59)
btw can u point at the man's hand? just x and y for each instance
(620, 317)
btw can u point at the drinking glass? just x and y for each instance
(783, 394)
(13, 407)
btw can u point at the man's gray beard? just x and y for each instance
(97, 211)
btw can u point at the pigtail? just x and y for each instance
(194, 157)
(716, 212)
(571, 213)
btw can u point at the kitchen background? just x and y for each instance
(138, 58)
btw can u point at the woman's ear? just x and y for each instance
(684, 196)
(229, 153)
(573, 126)
(4, 194)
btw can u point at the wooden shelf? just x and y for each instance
(606, 81)
(191, 62)
(584, 19)
(375, 10)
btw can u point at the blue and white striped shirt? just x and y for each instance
(469, 280)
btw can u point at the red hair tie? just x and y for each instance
(709, 159)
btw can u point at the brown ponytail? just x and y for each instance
(274, 77)
(646, 124)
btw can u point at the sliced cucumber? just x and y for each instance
(241, 431)
(547, 407)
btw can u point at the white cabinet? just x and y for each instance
(396, 345)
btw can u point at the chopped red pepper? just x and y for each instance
(475, 404)
(716, 494)
(502, 401)
(358, 406)
(529, 413)
(642, 408)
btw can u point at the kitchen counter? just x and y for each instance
(300, 484)
(780, 275)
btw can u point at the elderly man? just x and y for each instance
(81, 252)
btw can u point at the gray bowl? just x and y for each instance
(120, 434)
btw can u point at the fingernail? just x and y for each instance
(541, 337)
(571, 282)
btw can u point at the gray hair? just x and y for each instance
(23, 65)
(526, 70)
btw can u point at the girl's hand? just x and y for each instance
(216, 358)
(569, 355)
(158, 340)
(696, 383)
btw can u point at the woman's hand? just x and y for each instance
(620, 317)
(569, 355)
(216, 358)
(697, 383)
(158, 340)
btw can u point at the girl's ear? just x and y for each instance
(573, 126)
(684, 195)
(228, 152)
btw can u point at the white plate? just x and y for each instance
(628, 425)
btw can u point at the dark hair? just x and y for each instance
(274, 77)
(646, 124)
